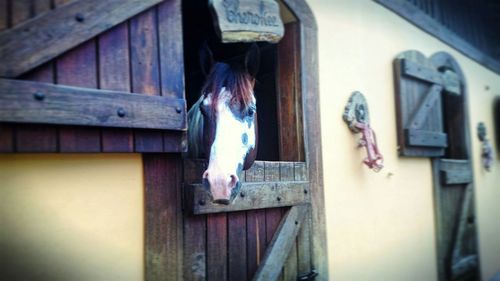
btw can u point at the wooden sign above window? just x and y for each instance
(247, 20)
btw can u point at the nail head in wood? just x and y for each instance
(39, 96)
(279, 198)
(178, 109)
(79, 17)
(202, 202)
(242, 194)
(121, 112)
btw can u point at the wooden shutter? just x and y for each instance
(419, 106)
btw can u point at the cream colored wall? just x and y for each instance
(381, 225)
(71, 217)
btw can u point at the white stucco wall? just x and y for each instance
(381, 225)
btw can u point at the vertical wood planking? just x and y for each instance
(6, 130)
(287, 173)
(194, 255)
(162, 174)
(303, 237)
(21, 10)
(256, 225)
(37, 138)
(78, 67)
(171, 56)
(289, 96)
(171, 49)
(237, 246)
(273, 215)
(217, 247)
(145, 71)
(114, 74)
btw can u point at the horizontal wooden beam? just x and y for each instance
(425, 138)
(454, 171)
(415, 70)
(279, 248)
(43, 38)
(34, 102)
(253, 195)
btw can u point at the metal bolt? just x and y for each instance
(178, 109)
(202, 202)
(79, 17)
(242, 194)
(305, 191)
(121, 112)
(279, 198)
(39, 96)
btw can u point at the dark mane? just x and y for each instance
(235, 79)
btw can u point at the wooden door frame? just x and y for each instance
(312, 131)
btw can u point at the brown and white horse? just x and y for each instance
(222, 124)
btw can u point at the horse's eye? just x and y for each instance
(251, 111)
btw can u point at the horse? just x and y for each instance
(222, 124)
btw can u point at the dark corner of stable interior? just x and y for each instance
(198, 28)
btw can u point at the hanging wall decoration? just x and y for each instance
(247, 20)
(486, 149)
(357, 117)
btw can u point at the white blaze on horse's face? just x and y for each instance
(234, 138)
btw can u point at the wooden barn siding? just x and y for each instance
(114, 60)
(117, 60)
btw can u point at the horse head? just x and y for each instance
(223, 123)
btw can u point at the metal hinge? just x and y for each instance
(310, 276)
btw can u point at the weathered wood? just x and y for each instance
(237, 246)
(163, 211)
(256, 196)
(280, 246)
(217, 247)
(440, 31)
(39, 137)
(39, 40)
(33, 102)
(417, 121)
(451, 82)
(425, 138)
(247, 21)
(455, 171)
(114, 74)
(290, 266)
(195, 259)
(420, 71)
(171, 48)
(145, 71)
(418, 106)
(78, 67)
(255, 173)
(457, 251)
(290, 133)
(256, 240)
(287, 171)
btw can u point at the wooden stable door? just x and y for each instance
(431, 100)
(108, 76)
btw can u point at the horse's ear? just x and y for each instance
(206, 59)
(252, 60)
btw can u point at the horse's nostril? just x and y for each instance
(232, 181)
(222, 201)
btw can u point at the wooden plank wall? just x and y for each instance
(138, 55)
